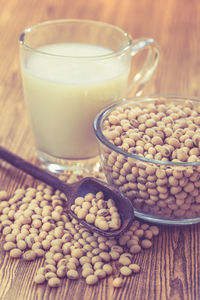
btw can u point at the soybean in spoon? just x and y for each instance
(74, 190)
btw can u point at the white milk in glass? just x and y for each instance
(63, 98)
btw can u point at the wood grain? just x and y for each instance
(171, 269)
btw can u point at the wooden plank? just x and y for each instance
(170, 269)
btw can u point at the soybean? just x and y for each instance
(65, 245)
(118, 282)
(96, 210)
(167, 135)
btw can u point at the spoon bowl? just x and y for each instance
(74, 190)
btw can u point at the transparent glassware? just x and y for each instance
(165, 192)
(71, 69)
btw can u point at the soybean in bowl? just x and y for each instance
(150, 151)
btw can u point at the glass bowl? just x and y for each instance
(150, 152)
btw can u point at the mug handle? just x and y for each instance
(140, 79)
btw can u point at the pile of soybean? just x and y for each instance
(167, 134)
(96, 210)
(35, 223)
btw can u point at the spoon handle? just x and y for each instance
(34, 171)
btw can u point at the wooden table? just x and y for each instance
(171, 268)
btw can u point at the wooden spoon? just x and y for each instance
(80, 188)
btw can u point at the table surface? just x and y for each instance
(171, 268)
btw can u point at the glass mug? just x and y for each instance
(72, 69)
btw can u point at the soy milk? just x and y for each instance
(63, 98)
